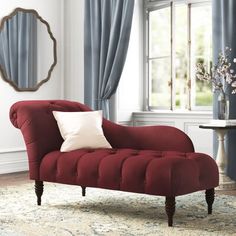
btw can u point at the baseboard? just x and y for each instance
(14, 161)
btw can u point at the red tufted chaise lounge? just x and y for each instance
(157, 160)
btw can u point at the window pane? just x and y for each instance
(201, 48)
(198, 30)
(181, 52)
(159, 89)
(159, 32)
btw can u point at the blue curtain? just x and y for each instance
(224, 35)
(18, 50)
(107, 29)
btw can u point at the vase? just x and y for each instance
(223, 106)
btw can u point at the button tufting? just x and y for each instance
(134, 153)
(112, 152)
(158, 156)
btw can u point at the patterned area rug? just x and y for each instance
(64, 212)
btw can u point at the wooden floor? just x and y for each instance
(14, 179)
(23, 177)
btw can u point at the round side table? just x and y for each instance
(221, 159)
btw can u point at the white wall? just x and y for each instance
(74, 50)
(130, 89)
(12, 154)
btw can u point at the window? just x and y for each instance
(178, 36)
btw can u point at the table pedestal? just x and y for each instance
(221, 159)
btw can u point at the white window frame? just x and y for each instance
(152, 5)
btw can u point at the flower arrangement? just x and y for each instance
(221, 73)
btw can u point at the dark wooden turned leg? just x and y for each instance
(39, 191)
(83, 191)
(170, 209)
(210, 196)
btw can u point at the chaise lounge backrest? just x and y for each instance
(41, 133)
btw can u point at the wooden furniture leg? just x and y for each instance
(170, 209)
(39, 191)
(210, 196)
(83, 191)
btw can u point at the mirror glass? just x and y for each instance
(27, 50)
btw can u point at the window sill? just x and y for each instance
(176, 114)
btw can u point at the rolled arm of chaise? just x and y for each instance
(39, 128)
(161, 138)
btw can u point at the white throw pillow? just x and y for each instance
(81, 130)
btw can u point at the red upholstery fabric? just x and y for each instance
(156, 160)
(141, 171)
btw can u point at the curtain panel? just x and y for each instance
(107, 27)
(224, 35)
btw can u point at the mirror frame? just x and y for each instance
(2, 70)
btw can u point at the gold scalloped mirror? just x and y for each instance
(27, 50)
